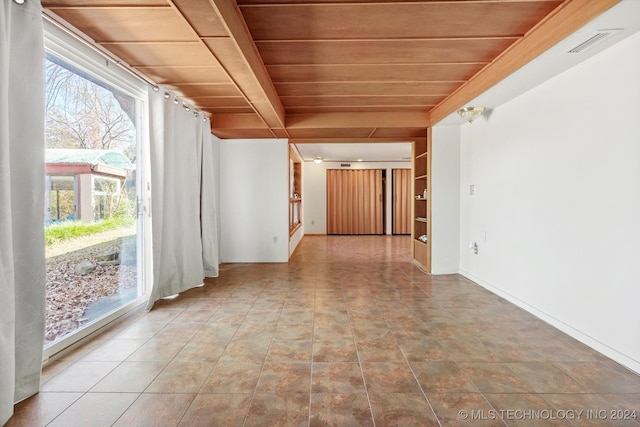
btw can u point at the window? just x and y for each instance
(108, 200)
(60, 198)
(94, 160)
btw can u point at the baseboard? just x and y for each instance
(595, 344)
(420, 267)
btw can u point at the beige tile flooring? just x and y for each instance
(349, 333)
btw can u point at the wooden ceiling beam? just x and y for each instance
(261, 3)
(388, 39)
(237, 121)
(53, 5)
(352, 140)
(563, 22)
(329, 120)
(271, 111)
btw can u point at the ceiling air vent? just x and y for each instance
(593, 40)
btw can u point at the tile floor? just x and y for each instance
(349, 333)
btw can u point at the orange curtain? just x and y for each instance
(401, 201)
(354, 201)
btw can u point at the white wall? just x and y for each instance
(314, 198)
(314, 192)
(557, 192)
(254, 200)
(445, 197)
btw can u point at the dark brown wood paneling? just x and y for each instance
(354, 201)
(401, 201)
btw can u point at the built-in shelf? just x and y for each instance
(295, 191)
(421, 226)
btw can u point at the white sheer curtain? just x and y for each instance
(182, 215)
(22, 261)
(208, 203)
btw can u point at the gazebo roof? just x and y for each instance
(110, 158)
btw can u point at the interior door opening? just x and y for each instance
(355, 201)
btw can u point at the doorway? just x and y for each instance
(60, 198)
(355, 201)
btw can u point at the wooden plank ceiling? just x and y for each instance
(327, 70)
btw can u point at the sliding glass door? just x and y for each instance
(94, 222)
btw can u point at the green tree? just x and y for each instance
(80, 113)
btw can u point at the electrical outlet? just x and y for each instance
(275, 239)
(474, 247)
(472, 190)
(313, 222)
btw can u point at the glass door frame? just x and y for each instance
(72, 49)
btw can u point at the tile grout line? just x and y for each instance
(168, 363)
(313, 340)
(264, 362)
(386, 284)
(364, 380)
(411, 369)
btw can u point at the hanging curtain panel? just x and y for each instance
(402, 201)
(208, 203)
(354, 201)
(176, 157)
(22, 259)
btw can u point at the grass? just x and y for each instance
(66, 230)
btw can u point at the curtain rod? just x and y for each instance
(85, 40)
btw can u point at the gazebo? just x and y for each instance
(84, 184)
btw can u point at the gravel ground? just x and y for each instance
(68, 293)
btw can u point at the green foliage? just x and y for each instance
(66, 230)
(127, 206)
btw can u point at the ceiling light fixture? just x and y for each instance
(317, 160)
(471, 113)
(19, 1)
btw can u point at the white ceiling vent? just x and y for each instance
(593, 40)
